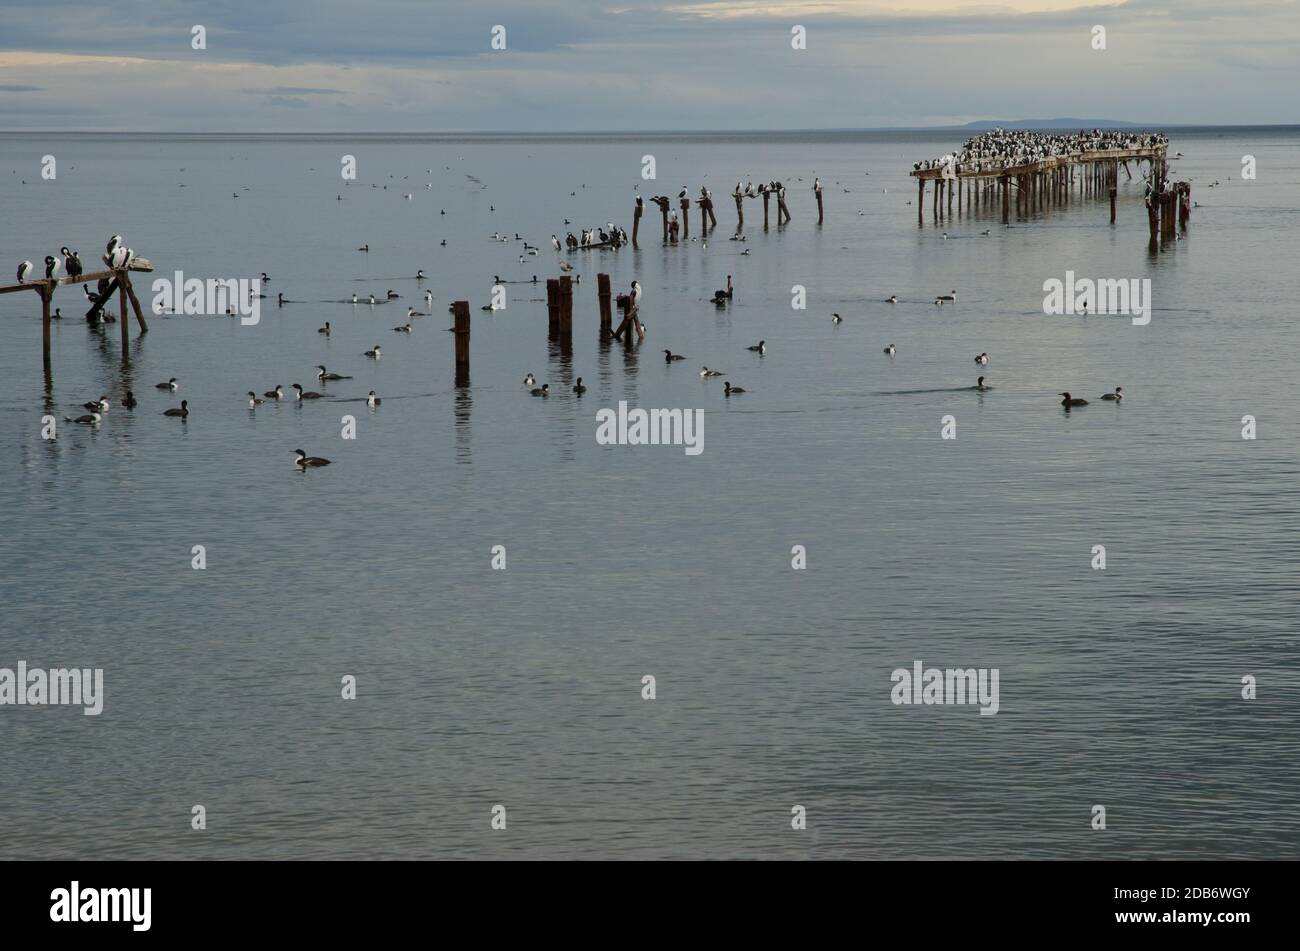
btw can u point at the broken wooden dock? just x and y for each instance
(118, 280)
(1052, 180)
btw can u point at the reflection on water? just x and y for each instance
(522, 686)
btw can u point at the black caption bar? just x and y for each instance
(138, 901)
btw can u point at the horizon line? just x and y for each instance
(652, 132)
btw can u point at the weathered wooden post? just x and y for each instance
(566, 304)
(630, 319)
(636, 218)
(920, 200)
(135, 303)
(46, 293)
(782, 209)
(686, 217)
(740, 208)
(604, 297)
(1113, 193)
(767, 195)
(552, 304)
(123, 318)
(662, 202)
(460, 311)
(818, 191)
(1006, 198)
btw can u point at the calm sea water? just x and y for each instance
(523, 687)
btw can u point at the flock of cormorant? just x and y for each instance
(1001, 149)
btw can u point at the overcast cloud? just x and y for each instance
(401, 65)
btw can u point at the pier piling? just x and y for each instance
(552, 304)
(566, 305)
(460, 311)
(603, 296)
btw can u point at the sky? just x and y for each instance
(628, 65)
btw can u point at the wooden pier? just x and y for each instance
(1035, 185)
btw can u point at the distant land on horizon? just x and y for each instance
(1066, 123)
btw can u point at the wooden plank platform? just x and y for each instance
(139, 264)
(1056, 161)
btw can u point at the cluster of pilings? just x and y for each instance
(559, 305)
(1034, 186)
(1168, 211)
(677, 228)
(559, 319)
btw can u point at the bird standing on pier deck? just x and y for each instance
(51, 267)
(636, 294)
(24, 271)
